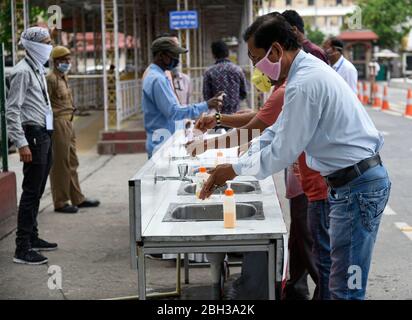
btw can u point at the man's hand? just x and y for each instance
(205, 123)
(216, 102)
(25, 154)
(218, 178)
(196, 147)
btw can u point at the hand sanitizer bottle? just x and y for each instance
(220, 158)
(229, 208)
(201, 177)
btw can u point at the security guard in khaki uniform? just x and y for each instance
(63, 176)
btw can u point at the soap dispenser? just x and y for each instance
(201, 177)
(229, 208)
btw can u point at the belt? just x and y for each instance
(34, 128)
(343, 177)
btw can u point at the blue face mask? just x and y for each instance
(173, 64)
(64, 67)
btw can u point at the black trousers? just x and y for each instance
(301, 260)
(34, 183)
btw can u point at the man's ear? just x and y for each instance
(276, 51)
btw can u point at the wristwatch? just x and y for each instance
(218, 116)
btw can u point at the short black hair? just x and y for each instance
(294, 19)
(271, 28)
(337, 43)
(220, 50)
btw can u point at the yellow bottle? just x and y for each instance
(229, 209)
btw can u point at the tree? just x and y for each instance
(388, 19)
(5, 25)
(315, 35)
(36, 14)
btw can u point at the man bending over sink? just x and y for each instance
(322, 117)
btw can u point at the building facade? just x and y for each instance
(326, 15)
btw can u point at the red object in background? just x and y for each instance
(8, 195)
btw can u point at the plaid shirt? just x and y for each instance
(228, 77)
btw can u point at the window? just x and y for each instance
(288, 2)
(338, 2)
(359, 52)
(311, 2)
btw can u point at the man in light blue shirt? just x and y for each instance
(323, 118)
(159, 102)
(334, 49)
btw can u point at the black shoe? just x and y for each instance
(41, 245)
(68, 209)
(29, 257)
(89, 203)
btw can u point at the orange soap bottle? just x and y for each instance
(229, 209)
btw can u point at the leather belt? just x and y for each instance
(343, 177)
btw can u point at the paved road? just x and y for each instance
(391, 273)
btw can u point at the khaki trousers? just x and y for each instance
(64, 179)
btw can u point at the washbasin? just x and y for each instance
(212, 212)
(238, 187)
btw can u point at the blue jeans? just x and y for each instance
(318, 222)
(355, 216)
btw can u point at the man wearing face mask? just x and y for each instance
(308, 237)
(64, 179)
(30, 126)
(159, 102)
(334, 49)
(322, 117)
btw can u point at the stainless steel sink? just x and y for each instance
(251, 187)
(212, 212)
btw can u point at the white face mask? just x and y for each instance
(38, 51)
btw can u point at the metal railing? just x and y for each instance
(130, 97)
(3, 136)
(87, 91)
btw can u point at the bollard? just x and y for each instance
(408, 112)
(360, 92)
(385, 103)
(365, 94)
(377, 101)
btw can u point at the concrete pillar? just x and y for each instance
(110, 58)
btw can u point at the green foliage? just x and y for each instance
(5, 25)
(315, 35)
(36, 14)
(388, 19)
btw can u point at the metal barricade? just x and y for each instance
(87, 92)
(130, 96)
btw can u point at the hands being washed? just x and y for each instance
(206, 122)
(218, 178)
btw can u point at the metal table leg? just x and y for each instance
(271, 271)
(141, 271)
(186, 267)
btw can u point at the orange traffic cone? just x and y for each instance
(385, 104)
(409, 104)
(360, 92)
(377, 101)
(365, 94)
